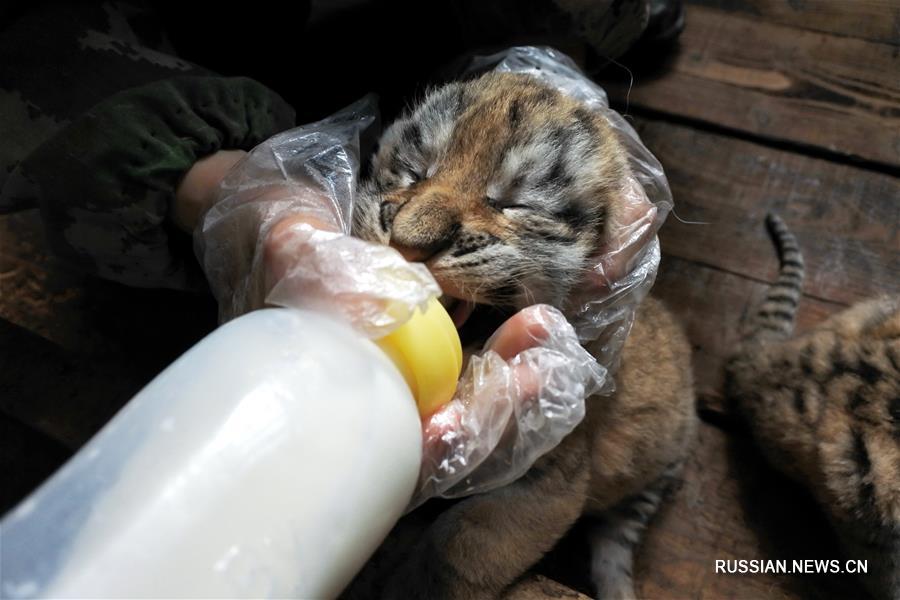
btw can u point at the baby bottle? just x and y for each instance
(269, 460)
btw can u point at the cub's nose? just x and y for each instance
(425, 225)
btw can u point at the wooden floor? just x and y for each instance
(792, 106)
(766, 105)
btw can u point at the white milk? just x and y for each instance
(268, 461)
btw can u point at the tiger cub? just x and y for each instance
(824, 407)
(505, 189)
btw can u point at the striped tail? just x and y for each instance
(775, 318)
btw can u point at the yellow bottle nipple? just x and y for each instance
(428, 353)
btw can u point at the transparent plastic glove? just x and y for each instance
(515, 401)
(279, 233)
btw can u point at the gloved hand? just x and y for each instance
(279, 234)
(514, 402)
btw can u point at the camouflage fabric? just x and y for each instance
(106, 180)
(100, 123)
(59, 60)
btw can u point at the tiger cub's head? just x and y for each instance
(502, 186)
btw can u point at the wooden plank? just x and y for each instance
(711, 304)
(31, 298)
(731, 507)
(59, 393)
(40, 294)
(69, 394)
(847, 219)
(873, 20)
(74, 349)
(836, 93)
(86, 314)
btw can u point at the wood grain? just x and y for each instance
(88, 315)
(846, 219)
(837, 93)
(873, 20)
(33, 293)
(65, 395)
(74, 349)
(711, 304)
(731, 507)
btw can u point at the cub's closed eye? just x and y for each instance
(500, 205)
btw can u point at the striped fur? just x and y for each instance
(615, 534)
(824, 407)
(502, 185)
(775, 318)
(504, 188)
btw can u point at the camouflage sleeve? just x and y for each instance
(105, 180)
